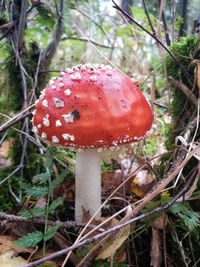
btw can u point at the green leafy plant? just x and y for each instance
(32, 239)
(187, 216)
(42, 186)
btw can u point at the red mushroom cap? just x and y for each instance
(91, 106)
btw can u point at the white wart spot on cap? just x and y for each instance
(69, 118)
(55, 139)
(45, 103)
(61, 85)
(83, 67)
(69, 70)
(46, 121)
(89, 65)
(109, 73)
(69, 137)
(44, 135)
(67, 92)
(53, 87)
(51, 82)
(108, 68)
(58, 123)
(42, 95)
(75, 76)
(93, 78)
(62, 73)
(58, 102)
(39, 126)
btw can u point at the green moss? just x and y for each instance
(181, 109)
(6, 201)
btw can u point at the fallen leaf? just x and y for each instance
(142, 182)
(5, 147)
(9, 259)
(7, 244)
(49, 264)
(111, 180)
(111, 246)
(4, 153)
(198, 74)
(156, 244)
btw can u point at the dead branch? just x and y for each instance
(83, 39)
(49, 52)
(117, 7)
(108, 233)
(185, 90)
(22, 24)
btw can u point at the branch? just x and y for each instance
(20, 116)
(22, 23)
(111, 230)
(7, 218)
(149, 20)
(167, 38)
(184, 89)
(49, 51)
(82, 39)
(122, 224)
(154, 37)
(98, 25)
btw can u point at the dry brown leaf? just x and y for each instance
(111, 246)
(5, 147)
(4, 152)
(9, 259)
(66, 189)
(111, 180)
(156, 244)
(198, 74)
(50, 263)
(40, 203)
(7, 244)
(142, 182)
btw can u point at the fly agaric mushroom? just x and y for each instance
(90, 108)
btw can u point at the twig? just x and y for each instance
(92, 239)
(184, 89)
(186, 187)
(122, 224)
(98, 25)
(9, 218)
(23, 114)
(177, 165)
(8, 25)
(184, 15)
(149, 33)
(83, 39)
(10, 175)
(49, 51)
(168, 41)
(149, 19)
(22, 23)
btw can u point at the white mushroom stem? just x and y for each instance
(88, 183)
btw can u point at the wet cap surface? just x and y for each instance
(90, 106)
